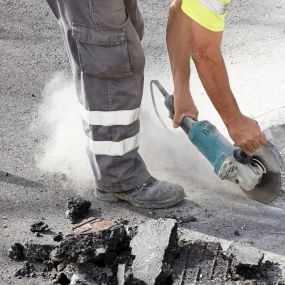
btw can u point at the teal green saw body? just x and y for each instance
(209, 141)
(258, 176)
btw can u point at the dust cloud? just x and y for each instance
(64, 148)
(167, 153)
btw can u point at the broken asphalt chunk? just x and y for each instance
(38, 252)
(39, 227)
(182, 219)
(16, 252)
(154, 248)
(243, 255)
(27, 270)
(101, 247)
(236, 233)
(134, 282)
(78, 209)
(62, 279)
(58, 237)
(91, 274)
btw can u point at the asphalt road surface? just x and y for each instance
(32, 52)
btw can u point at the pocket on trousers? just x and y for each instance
(103, 53)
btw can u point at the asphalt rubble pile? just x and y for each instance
(106, 252)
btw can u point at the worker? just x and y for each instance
(195, 30)
(102, 41)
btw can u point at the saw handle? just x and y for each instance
(169, 102)
(187, 122)
(160, 88)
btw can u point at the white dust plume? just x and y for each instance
(64, 150)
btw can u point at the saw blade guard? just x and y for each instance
(270, 185)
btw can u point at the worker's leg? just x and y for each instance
(108, 63)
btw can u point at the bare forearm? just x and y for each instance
(214, 77)
(179, 49)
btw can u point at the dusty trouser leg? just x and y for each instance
(107, 62)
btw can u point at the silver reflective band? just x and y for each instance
(110, 118)
(113, 148)
(215, 6)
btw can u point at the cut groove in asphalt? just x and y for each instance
(206, 263)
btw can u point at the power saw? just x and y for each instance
(259, 176)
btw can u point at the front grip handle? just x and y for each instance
(242, 157)
(169, 103)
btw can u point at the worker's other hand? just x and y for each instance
(246, 134)
(184, 106)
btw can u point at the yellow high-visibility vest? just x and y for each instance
(208, 13)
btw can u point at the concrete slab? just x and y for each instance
(150, 246)
(235, 257)
(245, 254)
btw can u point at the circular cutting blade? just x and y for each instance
(267, 190)
(270, 186)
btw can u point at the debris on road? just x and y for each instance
(38, 252)
(37, 234)
(237, 233)
(78, 209)
(91, 254)
(39, 227)
(62, 279)
(94, 275)
(16, 252)
(27, 270)
(112, 253)
(182, 219)
(58, 237)
(92, 247)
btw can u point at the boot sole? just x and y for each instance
(113, 199)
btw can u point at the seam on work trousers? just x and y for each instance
(107, 62)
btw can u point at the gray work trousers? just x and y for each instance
(102, 40)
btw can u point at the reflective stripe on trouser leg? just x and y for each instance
(108, 65)
(215, 6)
(111, 118)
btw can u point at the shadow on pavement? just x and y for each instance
(17, 180)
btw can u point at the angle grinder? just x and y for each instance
(259, 176)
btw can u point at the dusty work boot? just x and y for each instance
(153, 194)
